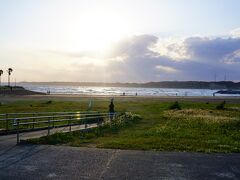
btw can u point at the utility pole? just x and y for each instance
(1, 72)
(225, 77)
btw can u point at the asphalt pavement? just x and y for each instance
(63, 162)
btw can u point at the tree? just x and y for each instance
(10, 70)
(1, 72)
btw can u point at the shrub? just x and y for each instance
(49, 102)
(121, 121)
(124, 119)
(175, 105)
(221, 106)
(94, 118)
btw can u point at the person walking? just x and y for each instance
(111, 110)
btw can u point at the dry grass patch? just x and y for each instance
(208, 116)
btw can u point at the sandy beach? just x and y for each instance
(61, 97)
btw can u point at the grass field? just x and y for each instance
(197, 127)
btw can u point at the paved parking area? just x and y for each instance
(62, 162)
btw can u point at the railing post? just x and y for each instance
(85, 122)
(48, 126)
(70, 124)
(53, 122)
(7, 122)
(98, 119)
(33, 120)
(18, 136)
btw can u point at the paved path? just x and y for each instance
(61, 162)
(40, 133)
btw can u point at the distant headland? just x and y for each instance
(17, 90)
(162, 84)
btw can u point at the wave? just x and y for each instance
(118, 91)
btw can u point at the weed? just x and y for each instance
(49, 102)
(221, 106)
(198, 127)
(175, 105)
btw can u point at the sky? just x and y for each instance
(120, 41)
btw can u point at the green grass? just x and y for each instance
(37, 106)
(197, 127)
(123, 120)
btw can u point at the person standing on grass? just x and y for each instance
(111, 110)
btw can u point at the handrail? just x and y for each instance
(7, 121)
(40, 122)
(36, 117)
(43, 117)
(70, 112)
(51, 119)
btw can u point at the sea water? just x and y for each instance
(118, 91)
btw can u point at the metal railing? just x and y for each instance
(7, 119)
(65, 120)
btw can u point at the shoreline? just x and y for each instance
(160, 84)
(74, 97)
(17, 90)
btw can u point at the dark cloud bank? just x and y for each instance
(137, 60)
(205, 57)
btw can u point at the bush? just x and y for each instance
(57, 138)
(221, 106)
(175, 105)
(49, 102)
(94, 118)
(121, 121)
(125, 119)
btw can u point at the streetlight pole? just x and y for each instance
(1, 72)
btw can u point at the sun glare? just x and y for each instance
(97, 30)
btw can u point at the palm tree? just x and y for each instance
(1, 72)
(9, 74)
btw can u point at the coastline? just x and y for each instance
(82, 97)
(17, 91)
(162, 84)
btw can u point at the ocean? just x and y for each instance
(118, 91)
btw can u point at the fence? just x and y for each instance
(66, 120)
(7, 120)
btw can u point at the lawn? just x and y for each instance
(196, 127)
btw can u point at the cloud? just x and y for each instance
(166, 69)
(198, 48)
(173, 48)
(211, 49)
(235, 32)
(145, 58)
(140, 61)
(233, 57)
(192, 58)
(136, 46)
